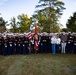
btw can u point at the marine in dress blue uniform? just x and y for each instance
(1, 44)
(74, 48)
(25, 45)
(69, 45)
(15, 45)
(32, 45)
(10, 45)
(49, 44)
(5, 46)
(44, 44)
(19, 45)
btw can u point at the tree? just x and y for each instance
(2, 25)
(13, 24)
(24, 22)
(64, 30)
(41, 18)
(51, 10)
(71, 23)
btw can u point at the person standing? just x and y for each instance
(70, 42)
(49, 43)
(58, 44)
(53, 42)
(5, 45)
(25, 45)
(10, 45)
(1, 42)
(39, 44)
(63, 38)
(44, 43)
(74, 48)
(32, 45)
(19, 45)
(15, 45)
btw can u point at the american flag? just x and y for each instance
(29, 34)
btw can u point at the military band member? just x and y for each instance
(10, 45)
(69, 45)
(1, 44)
(15, 45)
(74, 48)
(41, 45)
(19, 45)
(39, 38)
(25, 45)
(49, 43)
(32, 45)
(44, 44)
(5, 45)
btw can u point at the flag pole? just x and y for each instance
(36, 37)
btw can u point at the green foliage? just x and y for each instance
(41, 20)
(64, 30)
(71, 24)
(13, 24)
(24, 22)
(48, 15)
(2, 25)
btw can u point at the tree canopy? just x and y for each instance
(13, 24)
(24, 22)
(49, 13)
(71, 23)
(2, 25)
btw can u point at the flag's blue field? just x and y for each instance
(38, 64)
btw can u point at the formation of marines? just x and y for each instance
(47, 43)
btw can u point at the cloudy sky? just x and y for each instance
(10, 8)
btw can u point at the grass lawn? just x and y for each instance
(38, 64)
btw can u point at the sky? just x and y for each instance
(13, 8)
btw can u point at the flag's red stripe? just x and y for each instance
(30, 35)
